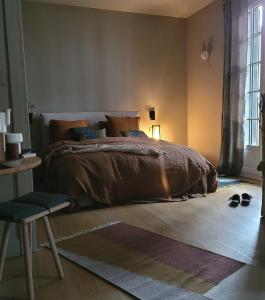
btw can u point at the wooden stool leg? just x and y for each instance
(28, 260)
(30, 237)
(19, 230)
(4, 247)
(53, 247)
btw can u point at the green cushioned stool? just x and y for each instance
(24, 211)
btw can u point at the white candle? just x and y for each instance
(8, 116)
(2, 122)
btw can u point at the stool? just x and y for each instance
(24, 211)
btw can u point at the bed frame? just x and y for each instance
(94, 117)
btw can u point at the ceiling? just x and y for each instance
(173, 8)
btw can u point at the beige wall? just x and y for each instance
(81, 59)
(205, 81)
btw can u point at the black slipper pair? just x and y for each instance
(235, 200)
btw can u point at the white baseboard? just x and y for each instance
(251, 173)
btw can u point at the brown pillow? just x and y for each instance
(60, 128)
(118, 124)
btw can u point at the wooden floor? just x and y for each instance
(208, 223)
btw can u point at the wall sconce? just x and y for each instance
(207, 50)
(205, 55)
(31, 111)
(156, 132)
(152, 113)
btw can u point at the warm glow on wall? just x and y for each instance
(156, 132)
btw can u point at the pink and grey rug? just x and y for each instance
(148, 265)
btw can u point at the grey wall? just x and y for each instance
(81, 59)
(7, 183)
(13, 95)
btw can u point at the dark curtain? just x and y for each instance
(235, 65)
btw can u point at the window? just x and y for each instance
(252, 96)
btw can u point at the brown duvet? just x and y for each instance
(114, 177)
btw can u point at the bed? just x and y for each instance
(117, 170)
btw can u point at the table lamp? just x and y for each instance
(156, 132)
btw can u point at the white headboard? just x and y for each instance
(93, 116)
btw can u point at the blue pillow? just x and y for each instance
(83, 133)
(86, 133)
(133, 133)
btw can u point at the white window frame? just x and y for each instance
(252, 6)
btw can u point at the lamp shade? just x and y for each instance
(14, 138)
(156, 132)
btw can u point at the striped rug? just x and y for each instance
(148, 265)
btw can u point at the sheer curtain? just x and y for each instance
(235, 65)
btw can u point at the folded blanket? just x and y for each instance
(124, 148)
